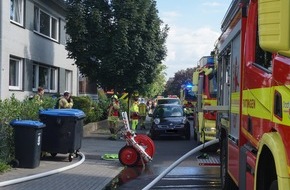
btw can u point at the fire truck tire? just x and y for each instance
(274, 185)
(266, 176)
(128, 156)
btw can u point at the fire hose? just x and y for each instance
(177, 162)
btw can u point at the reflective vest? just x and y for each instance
(142, 109)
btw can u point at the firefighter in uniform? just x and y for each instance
(65, 101)
(142, 113)
(113, 117)
(188, 108)
(134, 114)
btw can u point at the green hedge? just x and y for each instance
(94, 110)
(28, 109)
(11, 109)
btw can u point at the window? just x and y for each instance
(15, 74)
(278, 105)
(68, 81)
(262, 58)
(212, 77)
(16, 11)
(45, 24)
(45, 77)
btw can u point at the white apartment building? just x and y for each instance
(32, 49)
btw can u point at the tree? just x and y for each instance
(116, 43)
(180, 77)
(157, 87)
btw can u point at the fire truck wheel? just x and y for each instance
(274, 185)
(128, 156)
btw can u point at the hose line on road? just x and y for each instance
(23, 179)
(177, 162)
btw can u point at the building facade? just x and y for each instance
(32, 49)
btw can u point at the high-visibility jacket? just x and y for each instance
(142, 109)
(114, 109)
(134, 109)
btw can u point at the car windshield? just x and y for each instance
(168, 111)
(168, 101)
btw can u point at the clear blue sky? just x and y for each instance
(194, 28)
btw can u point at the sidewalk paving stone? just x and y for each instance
(93, 173)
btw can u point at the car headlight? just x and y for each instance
(183, 120)
(156, 121)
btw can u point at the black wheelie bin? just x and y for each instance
(63, 132)
(27, 141)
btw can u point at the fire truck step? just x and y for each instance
(208, 159)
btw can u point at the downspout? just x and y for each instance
(1, 43)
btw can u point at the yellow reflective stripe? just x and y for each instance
(235, 102)
(124, 96)
(211, 102)
(257, 103)
(142, 109)
(260, 103)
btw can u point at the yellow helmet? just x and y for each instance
(115, 97)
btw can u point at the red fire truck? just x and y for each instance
(188, 99)
(254, 83)
(205, 86)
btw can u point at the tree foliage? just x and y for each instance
(157, 87)
(116, 43)
(173, 85)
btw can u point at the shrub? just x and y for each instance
(89, 107)
(28, 109)
(11, 109)
(4, 167)
(103, 104)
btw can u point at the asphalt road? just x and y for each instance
(187, 175)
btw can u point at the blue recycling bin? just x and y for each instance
(63, 132)
(27, 141)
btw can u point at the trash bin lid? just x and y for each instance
(27, 123)
(63, 112)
